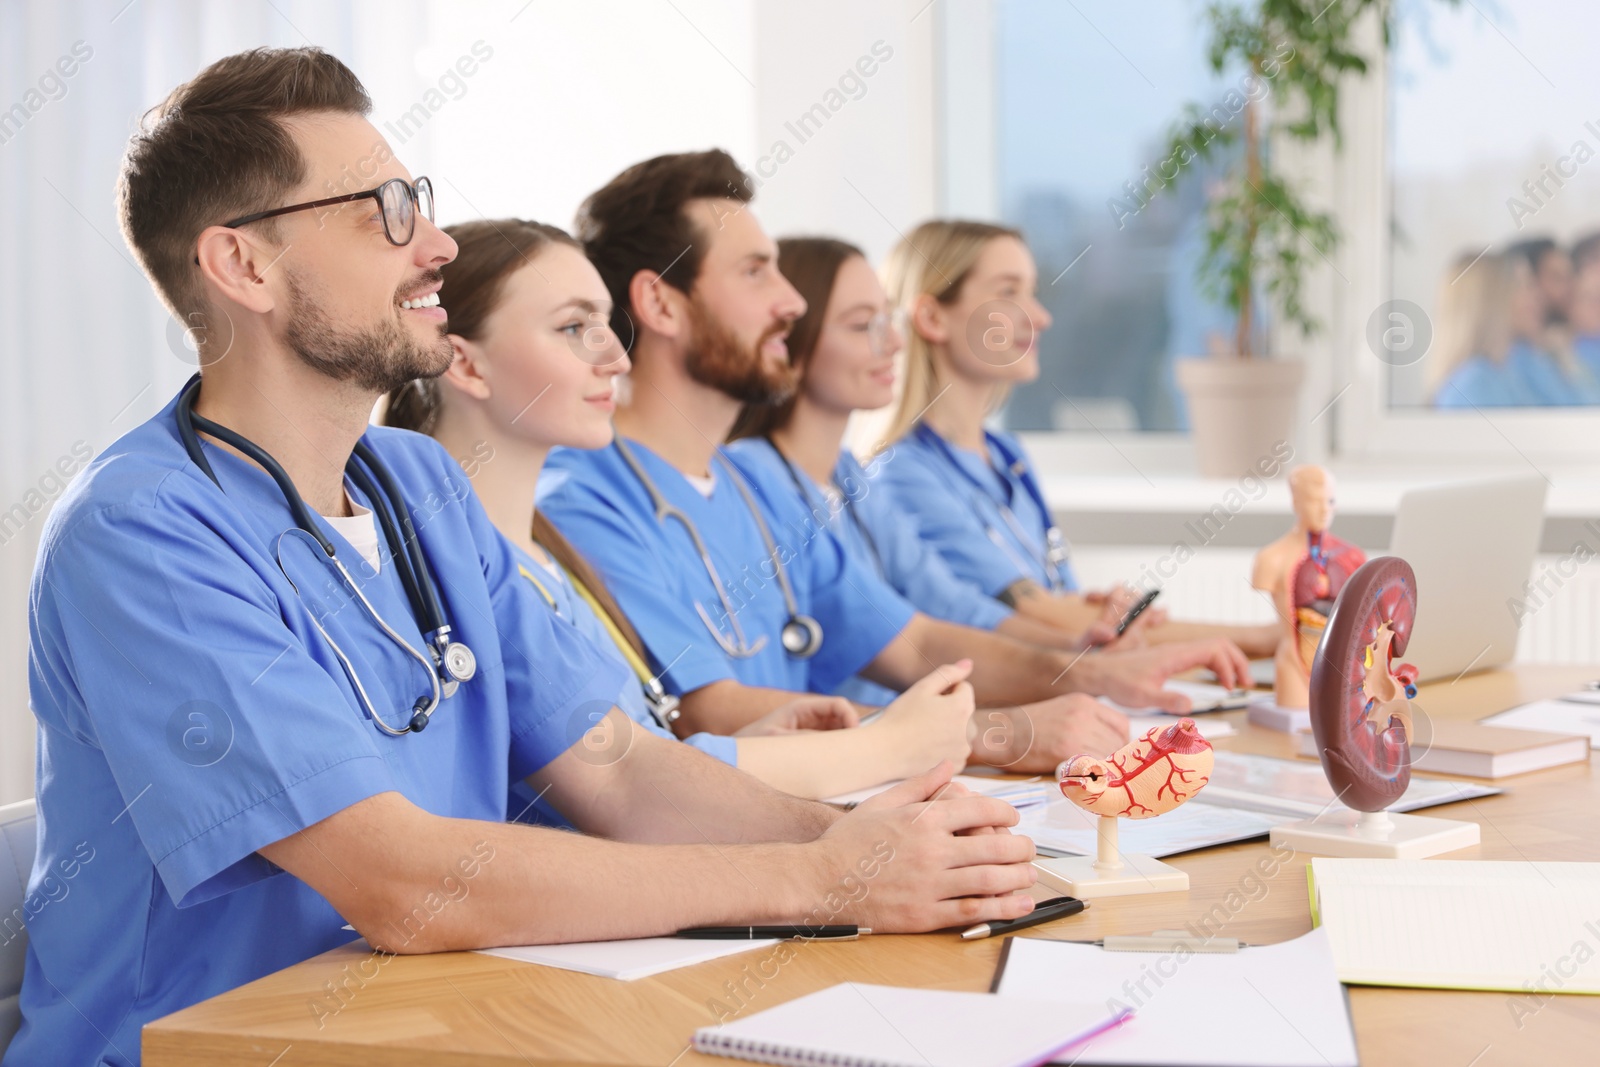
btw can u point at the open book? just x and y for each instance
(1461, 924)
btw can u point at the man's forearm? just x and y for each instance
(529, 886)
(1004, 671)
(1020, 627)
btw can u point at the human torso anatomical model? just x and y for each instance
(1303, 571)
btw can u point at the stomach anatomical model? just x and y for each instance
(1146, 777)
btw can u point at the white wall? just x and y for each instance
(568, 95)
(866, 172)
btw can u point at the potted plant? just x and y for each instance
(1259, 235)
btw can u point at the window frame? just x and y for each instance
(1344, 414)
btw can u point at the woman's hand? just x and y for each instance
(931, 721)
(806, 712)
(1114, 604)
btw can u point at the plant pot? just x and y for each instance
(1240, 410)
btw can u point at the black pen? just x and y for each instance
(744, 933)
(1043, 912)
(1137, 610)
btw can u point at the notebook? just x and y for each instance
(1461, 924)
(1485, 751)
(626, 960)
(856, 1025)
(1570, 715)
(1264, 1006)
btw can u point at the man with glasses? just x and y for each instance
(227, 656)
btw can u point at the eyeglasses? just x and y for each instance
(399, 199)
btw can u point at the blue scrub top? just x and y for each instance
(190, 713)
(1587, 348)
(889, 547)
(1527, 377)
(526, 804)
(958, 509)
(653, 570)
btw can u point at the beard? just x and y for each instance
(717, 359)
(377, 359)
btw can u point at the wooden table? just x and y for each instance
(465, 1008)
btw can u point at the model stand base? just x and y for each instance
(1376, 835)
(1080, 876)
(1110, 873)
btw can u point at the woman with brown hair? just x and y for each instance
(535, 368)
(956, 544)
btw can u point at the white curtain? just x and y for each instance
(562, 95)
(85, 348)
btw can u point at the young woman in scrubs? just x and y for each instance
(966, 291)
(536, 369)
(845, 347)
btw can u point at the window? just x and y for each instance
(1494, 134)
(1085, 94)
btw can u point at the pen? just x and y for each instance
(1137, 610)
(743, 933)
(1168, 941)
(1043, 912)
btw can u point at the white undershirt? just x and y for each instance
(361, 530)
(705, 486)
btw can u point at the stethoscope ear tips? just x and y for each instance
(419, 714)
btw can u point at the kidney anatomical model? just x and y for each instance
(1147, 777)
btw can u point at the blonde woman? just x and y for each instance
(967, 292)
(1488, 348)
(535, 368)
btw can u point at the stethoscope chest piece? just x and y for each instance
(460, 662)
(448, 663)
(801, 636)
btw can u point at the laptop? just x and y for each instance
(1472, 546)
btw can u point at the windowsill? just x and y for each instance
(1148, 494)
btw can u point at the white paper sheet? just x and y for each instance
(1065, 827)
(1297, 787)
(1577, 715)
(627, 960)
(1211, 729)
(1018, 793)
(1203, 695)
(1272, 1005)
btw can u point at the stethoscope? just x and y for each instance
(1056, 549)
(847, 505)
(801, 635)
(663, 706)
(452, 662)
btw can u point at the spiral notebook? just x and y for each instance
(855, 1025)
